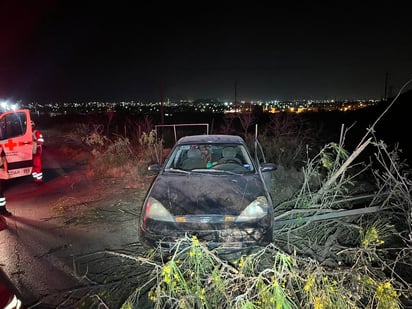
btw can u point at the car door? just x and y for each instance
(17, 141)
(265, 168)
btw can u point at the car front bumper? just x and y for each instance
(227, 240)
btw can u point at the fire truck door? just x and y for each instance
(16, 140)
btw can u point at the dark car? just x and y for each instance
(212, 188)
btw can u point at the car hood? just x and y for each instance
(198, 193)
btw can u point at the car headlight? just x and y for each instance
(255, 210)
(156, 211)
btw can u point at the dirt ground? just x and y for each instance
(72, 241)
(106, 203)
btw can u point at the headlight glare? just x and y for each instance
(255, 210)
(156, 211)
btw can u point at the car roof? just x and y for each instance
(212, 138)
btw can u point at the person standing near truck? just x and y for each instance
(4, 175)
(38, 142)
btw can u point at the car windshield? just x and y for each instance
(226, 157)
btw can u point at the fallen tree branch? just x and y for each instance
(330, 215)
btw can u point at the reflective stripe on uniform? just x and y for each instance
(14, 304)
(38, 176)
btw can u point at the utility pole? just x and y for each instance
(385, 96)
(162, 114)
(235, 95)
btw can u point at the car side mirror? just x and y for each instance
(268, 167)
(154, 168)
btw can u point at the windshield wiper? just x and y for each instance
(214, 171)
(176, 170)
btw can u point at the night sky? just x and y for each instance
(55, 52)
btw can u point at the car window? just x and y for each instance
(175, 158)
(210, 156)
(13, 125)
